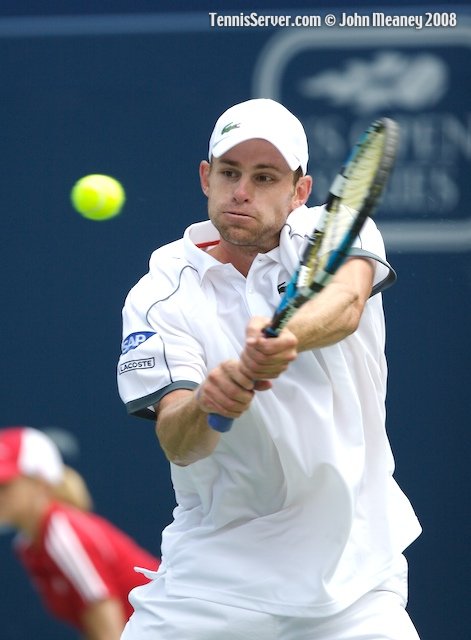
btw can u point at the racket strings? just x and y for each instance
(337, 224)
(361, 173)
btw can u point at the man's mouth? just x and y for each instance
(241, 214)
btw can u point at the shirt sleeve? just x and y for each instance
(369, 244)
(159, 354)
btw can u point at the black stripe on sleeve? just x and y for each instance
(140, 406)
(384, 284)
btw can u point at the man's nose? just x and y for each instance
(242, 191)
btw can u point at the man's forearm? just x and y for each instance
(182, 428)
(335, 312)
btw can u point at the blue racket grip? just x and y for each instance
(219, 423)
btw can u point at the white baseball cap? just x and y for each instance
(29, 452)
(266, 119)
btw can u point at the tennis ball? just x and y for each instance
(98, 197)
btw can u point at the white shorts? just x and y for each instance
(378, 615)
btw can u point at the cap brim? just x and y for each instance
(226, 144)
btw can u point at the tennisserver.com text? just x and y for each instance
(256, 20)
(373, 19)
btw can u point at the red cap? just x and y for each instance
(27, 451)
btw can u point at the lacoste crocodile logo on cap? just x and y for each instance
(229, 127)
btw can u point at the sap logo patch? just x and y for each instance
(133, 340)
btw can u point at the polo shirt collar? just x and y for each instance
(196, 237)
(202, 234)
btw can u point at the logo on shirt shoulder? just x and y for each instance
(132, 365)
(133, 340)
(281, 287)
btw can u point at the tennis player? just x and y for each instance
(290, 526)
(81, 565)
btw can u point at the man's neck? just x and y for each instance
(240, 257)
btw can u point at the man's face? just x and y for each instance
(250, 194)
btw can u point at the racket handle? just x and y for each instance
(269, 332)
(219, 423)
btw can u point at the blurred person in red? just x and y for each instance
(82, 566)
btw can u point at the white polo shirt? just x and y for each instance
(296, 512)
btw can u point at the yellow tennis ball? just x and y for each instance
(98, 197)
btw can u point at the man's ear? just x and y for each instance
(302, 191)
(205, 169)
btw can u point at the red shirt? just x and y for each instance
(80, 558)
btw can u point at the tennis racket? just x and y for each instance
(353, 197)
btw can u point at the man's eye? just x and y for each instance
(264, 178)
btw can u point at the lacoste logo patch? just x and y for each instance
(281, 287)
(229, 127)
(132, 365)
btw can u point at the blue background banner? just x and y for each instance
(136, 96)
